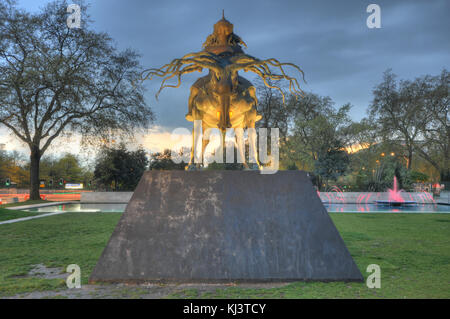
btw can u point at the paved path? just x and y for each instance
(28, 218)
(143, 291)
(444, 199)
(40, 205)
(10, 221)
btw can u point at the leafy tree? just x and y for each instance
(226, 166)
(234, 166)
(163, 161)
(317, 127)
(364, 149)
(416, 176)
(332, 162)
(383, 175)
(120, 169)
(12, 167)
(360, 135)
(377, 181)
(67, 167)
(55, 79)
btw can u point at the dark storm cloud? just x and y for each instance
(329, 40)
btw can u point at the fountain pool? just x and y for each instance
(332, 208)
(81, 208)
(377, 208)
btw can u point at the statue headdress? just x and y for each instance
(223, 39)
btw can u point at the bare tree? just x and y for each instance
(274, 113)
(434, 146)
(55, 79)
(398, 113)
(414, 115)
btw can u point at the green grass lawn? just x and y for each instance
(7, 214)
(413, 251)
(55, 241)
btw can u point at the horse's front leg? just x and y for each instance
(252, 149)
(197, 147)
(205, 143)
(252, 137)
(239, 134)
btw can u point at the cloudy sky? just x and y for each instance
(329, 40)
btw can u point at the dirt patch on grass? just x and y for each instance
(41, 271)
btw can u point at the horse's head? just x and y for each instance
(223, 83)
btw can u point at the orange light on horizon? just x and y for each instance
(356, 148)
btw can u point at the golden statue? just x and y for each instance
(223, 99)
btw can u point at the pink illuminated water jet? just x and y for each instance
(395, 197)
(394, 194)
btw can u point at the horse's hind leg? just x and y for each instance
(191, 159)
(251, 118)
(205, 143)
(197, 147)
(239, 135)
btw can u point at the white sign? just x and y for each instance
(74, 186)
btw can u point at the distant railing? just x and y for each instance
(53, 197)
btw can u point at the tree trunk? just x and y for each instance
(445, 175)
(410, 158)
(35, 158)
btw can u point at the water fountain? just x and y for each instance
(395, 197)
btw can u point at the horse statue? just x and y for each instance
(222, 99)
